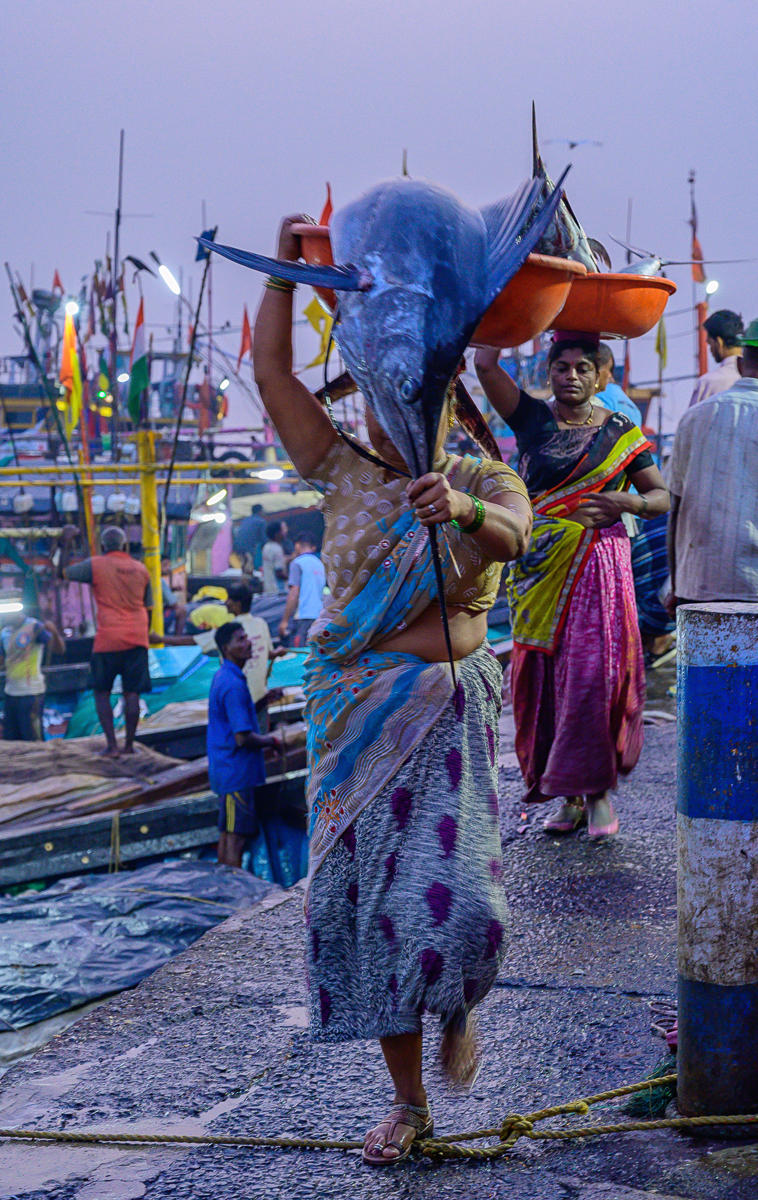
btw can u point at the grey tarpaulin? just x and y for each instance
(95, 934)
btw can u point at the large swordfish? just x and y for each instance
(415, 271)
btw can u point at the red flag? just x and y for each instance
(57, 282)
(246, 345)
(627, 370)
(326, 212)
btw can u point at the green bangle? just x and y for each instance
(643, 511)
(478, 519)
(279, 285)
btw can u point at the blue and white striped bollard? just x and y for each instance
(717, 852)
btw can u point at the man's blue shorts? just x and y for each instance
(236, 813)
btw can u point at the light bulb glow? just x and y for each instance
(11, 606)
(169, 279)
(223, 385)
(711, 286)
(72, 308)
(123, 377)
(271, 473)
(216, 498)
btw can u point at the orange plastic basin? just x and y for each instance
(529, 303)
(614, 305)
(524, 308)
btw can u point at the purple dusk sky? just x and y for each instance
(250, 107)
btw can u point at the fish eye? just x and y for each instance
(406, 389)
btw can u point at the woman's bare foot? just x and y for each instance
(111, 752)
(460, 1053)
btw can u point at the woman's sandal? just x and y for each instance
(417, 1117)
(567, 819)
(606, 815)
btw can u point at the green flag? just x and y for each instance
(139, 372)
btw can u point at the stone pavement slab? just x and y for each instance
(217, 1041)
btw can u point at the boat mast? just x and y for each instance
(114, 294)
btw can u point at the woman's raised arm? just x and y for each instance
(502, 393)
(306, 431)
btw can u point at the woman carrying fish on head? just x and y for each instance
(406, 909)
(577, 671)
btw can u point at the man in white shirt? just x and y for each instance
(273, 559)
(257, 667)
(307, 580)
(713, 524)
(724, 330)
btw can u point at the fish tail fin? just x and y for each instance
(474, 424)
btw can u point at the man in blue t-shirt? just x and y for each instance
(609, 394)
(305, 592)
(235, 745)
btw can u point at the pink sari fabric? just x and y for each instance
(578, 712)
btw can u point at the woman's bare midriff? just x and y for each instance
(426, 638)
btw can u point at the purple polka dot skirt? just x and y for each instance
(407, 913)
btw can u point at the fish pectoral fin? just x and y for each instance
(341, 279)
(514, 227)
(599, 252)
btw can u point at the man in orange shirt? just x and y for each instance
(121, 587)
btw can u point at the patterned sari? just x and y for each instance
(366, 709)
(406, 908)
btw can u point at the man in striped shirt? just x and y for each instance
(713, 480)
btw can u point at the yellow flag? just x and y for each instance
(322, 323)
(70, 378)
(660, 344)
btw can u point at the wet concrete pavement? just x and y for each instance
(216, 1042)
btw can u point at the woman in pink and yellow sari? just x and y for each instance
(577, 670)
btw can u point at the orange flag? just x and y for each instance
(246, 345)
(698, 274)
(326, 212)
(57, 282)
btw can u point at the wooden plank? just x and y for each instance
(167, 826)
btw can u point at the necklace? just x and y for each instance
(566, 421)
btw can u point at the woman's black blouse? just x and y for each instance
(547, 453)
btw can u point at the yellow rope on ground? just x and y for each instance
(514, 1127)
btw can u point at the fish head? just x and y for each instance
(402, 337)
(648, 267)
